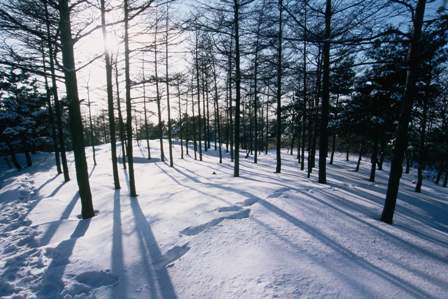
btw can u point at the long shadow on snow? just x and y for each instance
(54, 225)
(160, 285)
(349, 256)
(117, 256)
(52, 284)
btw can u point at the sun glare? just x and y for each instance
(112, 43)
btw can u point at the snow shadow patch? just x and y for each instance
(194, 230)
(96, 279)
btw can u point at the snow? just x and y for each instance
(194, 231)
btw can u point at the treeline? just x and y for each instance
(367, 78)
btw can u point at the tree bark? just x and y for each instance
(236, 169)
(323, 136)
(278, 167)
(130, 153)
(405, 115)
(76, 127)
(57, 104)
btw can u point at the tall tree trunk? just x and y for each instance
(180, 123)
(374, 159)
(405, 115)
(110, 99)
(305, 85)
(159, 109)
(170, 131)
(267, 129)
(218, 118)
(57, 104)
(323, 136)
(194, 122)
(51, 115)
(422, 146)
(199, 98)
(278, 167)
(145, 112)
(358, 164)
(92, 140)
(76, 127)
(130, 153)
(236, 168)
(120, 118)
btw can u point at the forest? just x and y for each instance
(223, 148)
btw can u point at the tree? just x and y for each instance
(110, 98)
(405, 114)
(76, 126)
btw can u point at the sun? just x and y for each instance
(113, 42)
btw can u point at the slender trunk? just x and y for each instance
(374, 160)
(29, 161)
(194, 122)
(408, 160)
(440, 172)
(305, 85)
(57, 104)
(199, 99)
(422, 146)
(358, 164)
(159, 109)
(333, 148)
(405, 115)
(120, 118)
(267, 129)
(278, 167)
(323, 134)
(51, 116)
(92, 140)
(180, 124)
(170, 131)
(76, 127)
(130, 154)
(145, 112)
(14, 160)
(236, 169)
(218, 119)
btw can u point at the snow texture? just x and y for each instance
(194, 231)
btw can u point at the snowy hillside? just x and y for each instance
(195, 231)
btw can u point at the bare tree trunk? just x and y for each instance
(180, 123)
(358, 164)
(130, 154)
(120, 118)
(199, 98)
(51, 116)
(323, 136)
(76, 127)
(159, 109)
(405, 115)
(278, 167)
(218, 119)
(374, 160)
(145, 111)
(236, 168)
(92, 140)
(57, 104)
(170, 140)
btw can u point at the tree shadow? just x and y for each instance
(118, 267)
(52, 284)
(159, 281)
(54, 225)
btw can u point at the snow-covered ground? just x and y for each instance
(196, 232)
